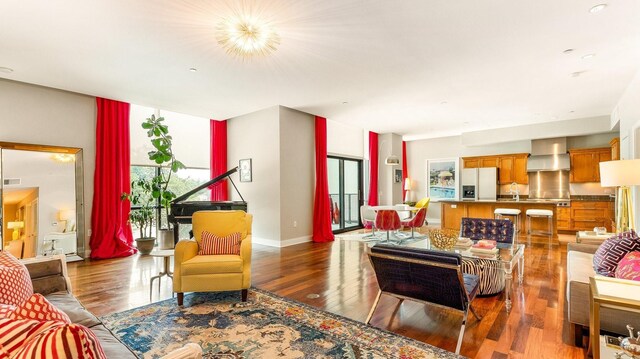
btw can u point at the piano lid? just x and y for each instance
(207, 184)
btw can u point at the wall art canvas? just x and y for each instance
(443, 178)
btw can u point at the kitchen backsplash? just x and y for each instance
(578, 189)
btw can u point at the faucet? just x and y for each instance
(516, 192)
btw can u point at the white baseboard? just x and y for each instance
(280, 244)
(434, 221)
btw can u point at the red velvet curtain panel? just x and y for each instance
(405, 171)
(321, 205)
(111, 233)
(219, 191)
(373, 169)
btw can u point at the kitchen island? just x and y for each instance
(453, 211)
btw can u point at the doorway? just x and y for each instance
(345, 192)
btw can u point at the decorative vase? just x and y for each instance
(166, 239)
(145, 245)
(443, 238)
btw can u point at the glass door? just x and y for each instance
(345, 192)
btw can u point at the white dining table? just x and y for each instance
(401, 208)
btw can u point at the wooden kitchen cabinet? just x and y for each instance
(615, 149)
(587, 215)
(585, 164)
(511, 167)
(452, 214)
(564, 218)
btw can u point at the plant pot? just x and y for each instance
(145, 245)
(166, 239)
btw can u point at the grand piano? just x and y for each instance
(182, 211)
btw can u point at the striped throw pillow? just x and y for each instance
(38, 308)
(14, 334)
(6, 310)
(67, 341)
(212, 244)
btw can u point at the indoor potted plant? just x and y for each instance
(162, 155)
(158, 186)
(142, 217)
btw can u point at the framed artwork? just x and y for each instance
(397, 176)
(244, 168)
(443, 178)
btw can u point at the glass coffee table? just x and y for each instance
(506, 259)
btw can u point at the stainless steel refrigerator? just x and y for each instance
(479, 184)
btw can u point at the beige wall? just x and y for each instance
(390, 193)
(297, 175)
(256, 136)
(41, 115)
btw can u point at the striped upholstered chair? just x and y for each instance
(490, 273)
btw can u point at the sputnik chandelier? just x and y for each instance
(247, 36)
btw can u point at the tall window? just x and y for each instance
(345, 192)
(190, 145)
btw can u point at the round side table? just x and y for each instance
(166, 254)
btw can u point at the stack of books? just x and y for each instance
(463, 243)
(485, 246)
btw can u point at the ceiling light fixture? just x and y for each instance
(6, 70)
(597, 8)
(247, 36)
(568, 51)
(588, 56)
(193, 69)
(63, 157)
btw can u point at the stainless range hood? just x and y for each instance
(549, 155)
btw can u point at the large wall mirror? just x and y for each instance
(42, 200)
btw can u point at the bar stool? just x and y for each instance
(506, 212)
(541, 213)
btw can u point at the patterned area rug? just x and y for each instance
(266, 326)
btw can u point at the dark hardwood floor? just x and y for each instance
(341, 274)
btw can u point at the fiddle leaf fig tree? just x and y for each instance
(140, 196)
(162, 155)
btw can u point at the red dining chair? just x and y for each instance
(416, 221)
(388, 220)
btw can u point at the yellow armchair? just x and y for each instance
(214, 273)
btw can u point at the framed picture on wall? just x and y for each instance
(244, 168)
(397, 176)
(443, 177)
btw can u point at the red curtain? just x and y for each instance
(219, 191)
(111, 233)
(405, 172)
(373, 169)
(321, 204)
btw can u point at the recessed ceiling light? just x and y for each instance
(577, 73)
(588, 56)
(597, 8)
(344, 102)
(443, 102)
(6, 70)
(193, 69)
(571, 111)
(465, 123)
(568, 51)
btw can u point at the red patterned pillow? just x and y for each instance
(611, 251)
(39, 308)
(629, 267)
(15, 283)
(6, 310)
(212, 244)
(15, 333)
(67, 341)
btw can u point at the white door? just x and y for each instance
(31, 229)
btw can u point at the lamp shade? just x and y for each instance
(407, 184)
(66, 214)
(620, 173)
(15, 225)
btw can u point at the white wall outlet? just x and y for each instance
(454, 206)
(53, 224)
(295, 224)
(89, 232)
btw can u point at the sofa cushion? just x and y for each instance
(38, 308)
(67, 303)
(225, 263)
(629, 266)
(579, 267)
(213, 244)
(111, 346)
(611, 251)
(15, 283)
(67, 341)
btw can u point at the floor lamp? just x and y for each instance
(622, 174)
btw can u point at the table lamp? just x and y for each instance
(622, 174)
(68, 216)
(407, 189)
(16, 226)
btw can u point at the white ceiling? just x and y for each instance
(495, 63)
